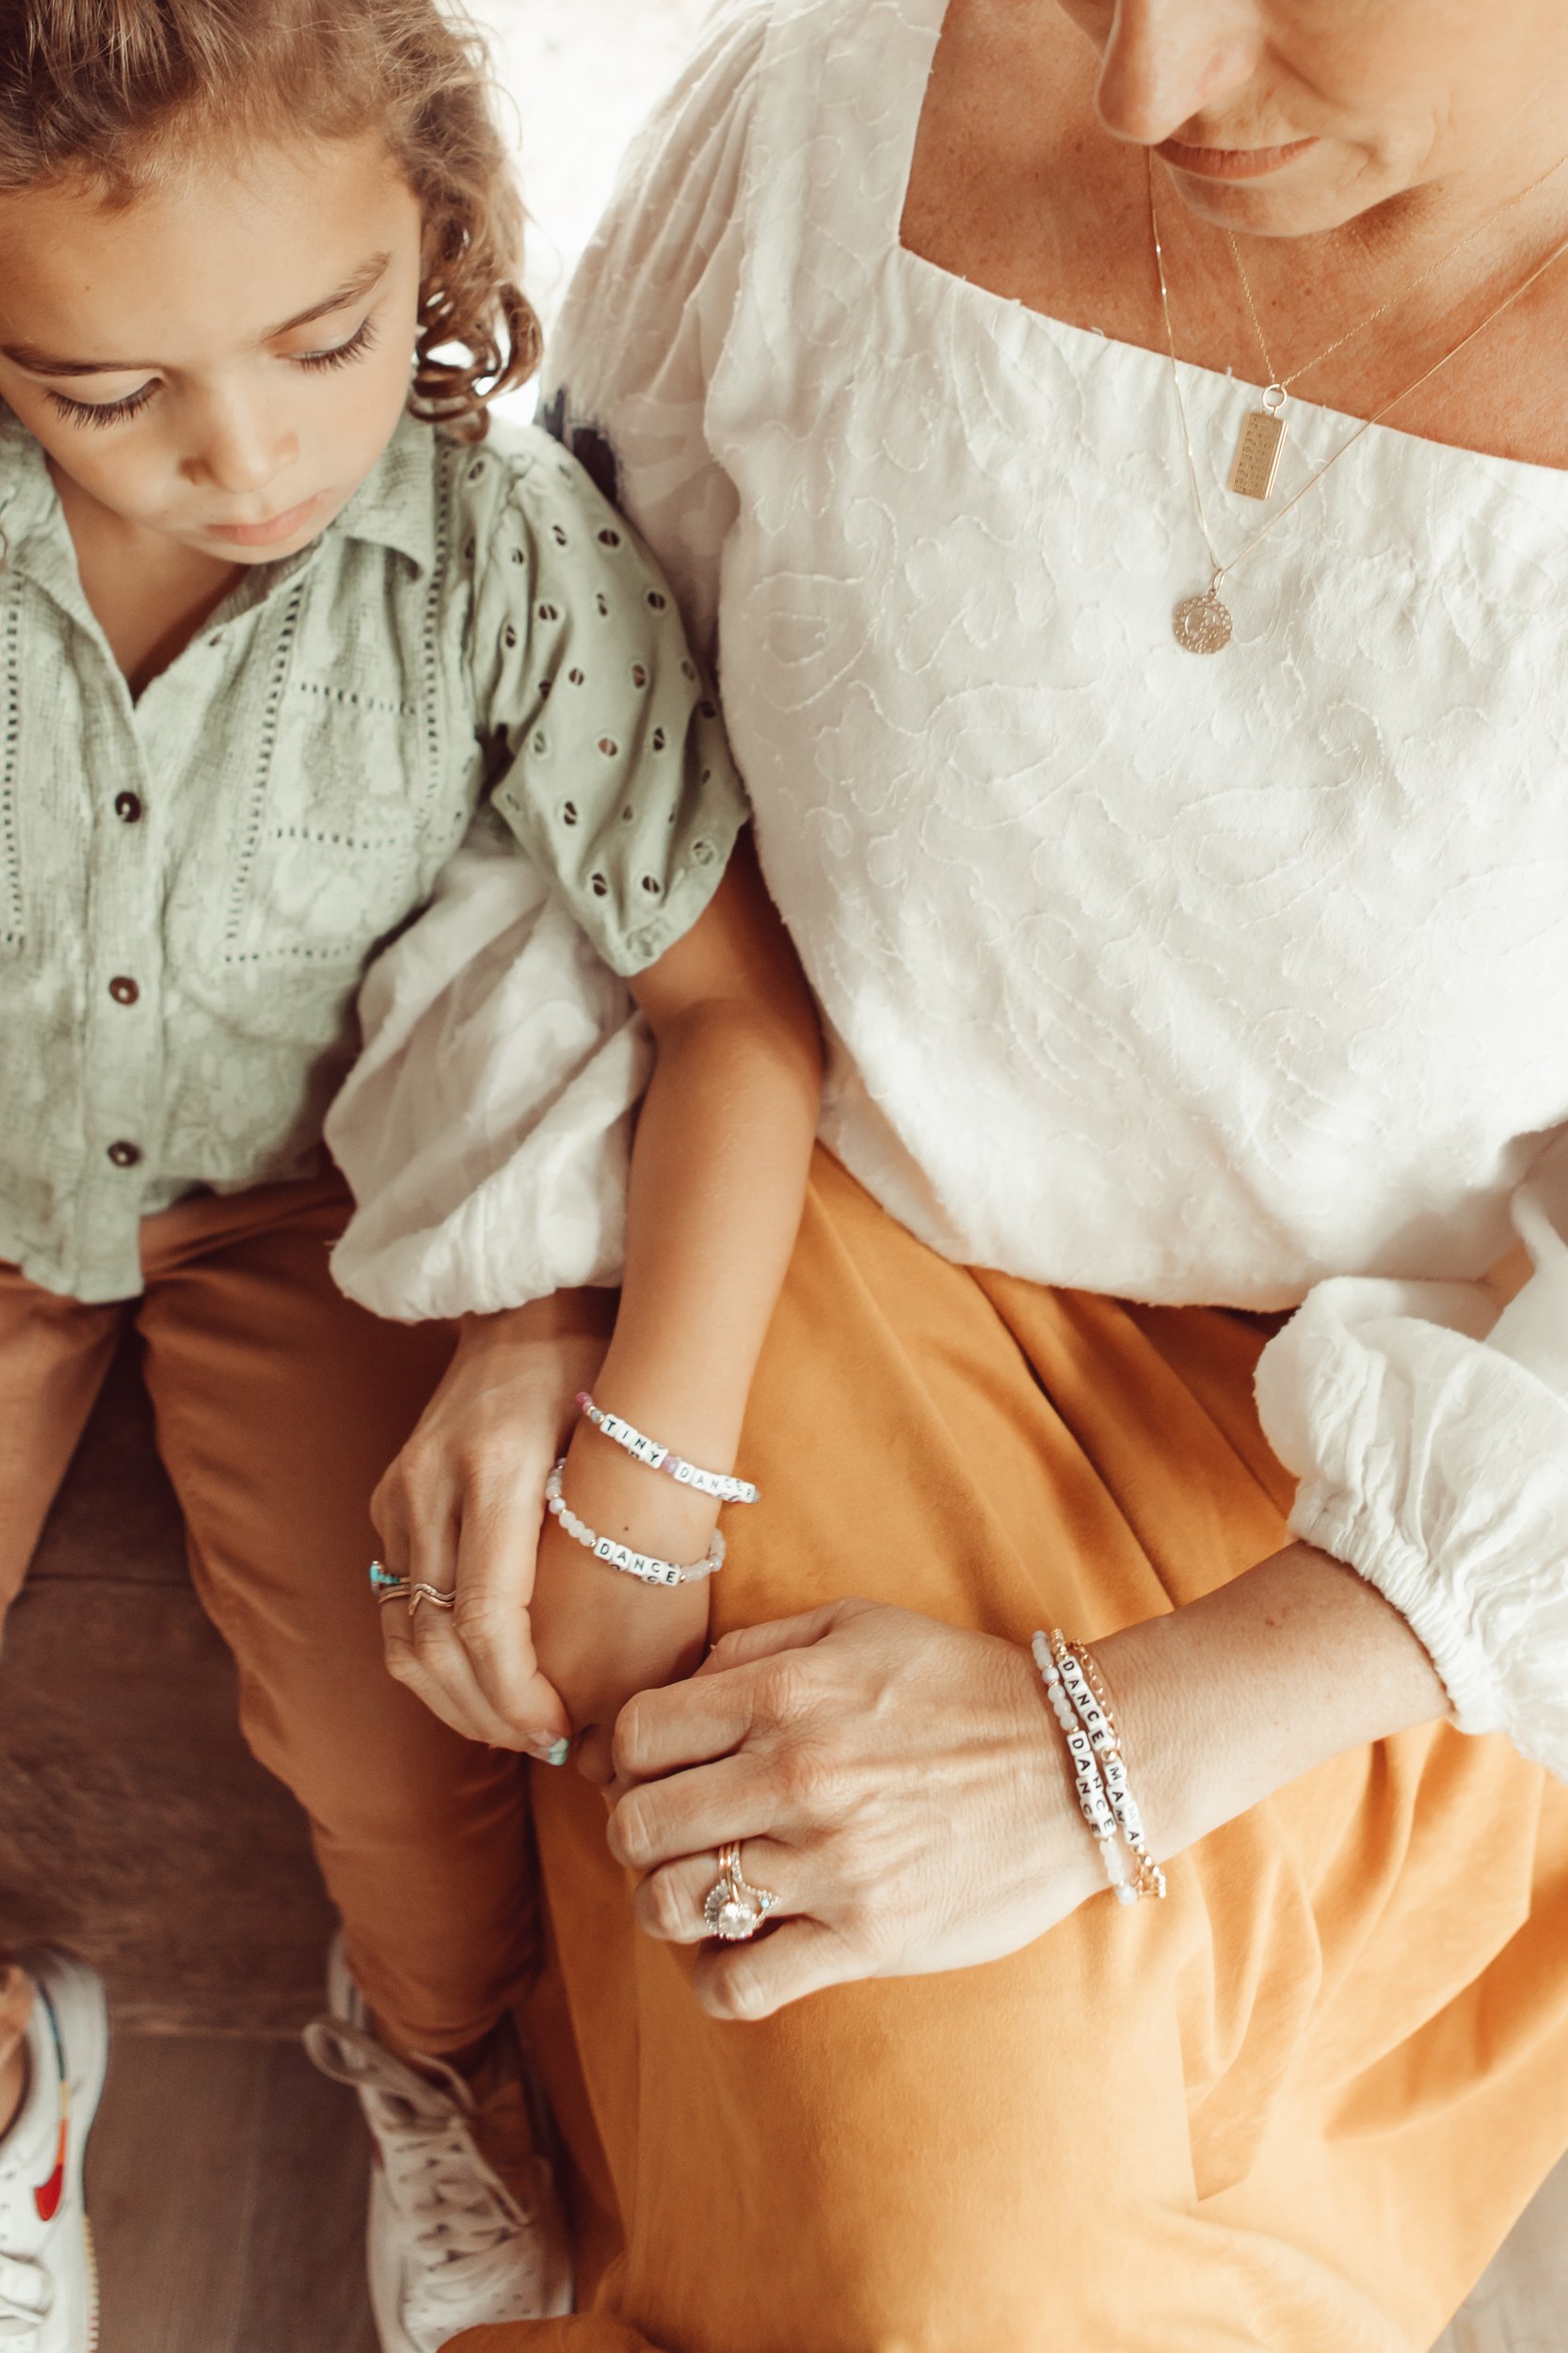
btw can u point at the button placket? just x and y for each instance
(120, 1059)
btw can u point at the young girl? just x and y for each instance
(277, 624)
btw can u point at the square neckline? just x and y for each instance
(957, 288)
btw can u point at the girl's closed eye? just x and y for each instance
(340, 355)
(103, 412)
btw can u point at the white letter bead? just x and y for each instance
(1099, 1770)
(647, 1566)
(654, 1456)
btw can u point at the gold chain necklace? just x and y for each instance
(1203, 623)
(1257, 450)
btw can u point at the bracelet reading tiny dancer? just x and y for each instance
(656, 1457)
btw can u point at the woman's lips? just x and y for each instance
(1230, 163)
(265, 534)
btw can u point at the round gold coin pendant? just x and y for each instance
(1202, 624)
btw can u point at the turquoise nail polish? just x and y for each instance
(556, 1753)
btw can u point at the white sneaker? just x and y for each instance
(48, 2279)
(451, 2246)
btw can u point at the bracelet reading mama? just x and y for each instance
(656, 1457)
(644, 1565)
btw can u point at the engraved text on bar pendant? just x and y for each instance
(1257, 453)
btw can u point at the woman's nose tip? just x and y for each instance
(1162, 67)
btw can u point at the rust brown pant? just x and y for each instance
(1292, 2110)
(279, 1406)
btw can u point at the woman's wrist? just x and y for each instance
(588, 1314)
(1227, 1699)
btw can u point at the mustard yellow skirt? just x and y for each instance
(1298, 2106)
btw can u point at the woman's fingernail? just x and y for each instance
(556, 1753)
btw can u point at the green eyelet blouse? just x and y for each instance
(192, 883)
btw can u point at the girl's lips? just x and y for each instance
(282, 527)
(1230, 163)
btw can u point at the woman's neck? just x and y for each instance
(1016, 187)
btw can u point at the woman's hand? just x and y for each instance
(903, 1788)
(899, 1784)
(461, 1508)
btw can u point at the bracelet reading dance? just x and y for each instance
(656, 1457)
(646, 1566)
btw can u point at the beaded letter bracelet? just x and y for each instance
(1079, 1703)
(657, 1457)
(644, 1565)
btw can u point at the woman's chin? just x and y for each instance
(1286, 207)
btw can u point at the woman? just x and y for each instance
(1222, 984)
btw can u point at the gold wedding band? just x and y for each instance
(433, 1594)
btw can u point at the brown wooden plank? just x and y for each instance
(305, 2274)
(171, 2189)
(135, 1828)
(227, 2182)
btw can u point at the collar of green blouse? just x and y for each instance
(393, 507)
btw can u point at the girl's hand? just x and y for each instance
(899, 1784)
(461, 1508)
(600, 1636)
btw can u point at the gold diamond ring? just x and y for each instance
(733, 1909)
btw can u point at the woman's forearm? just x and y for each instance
(1224, 1702)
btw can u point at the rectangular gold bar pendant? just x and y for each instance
(1257, 454)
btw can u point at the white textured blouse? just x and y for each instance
(1240, 980)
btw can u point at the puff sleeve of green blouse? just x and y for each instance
(614, 770)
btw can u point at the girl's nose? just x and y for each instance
(1167, 60)
(243, 449)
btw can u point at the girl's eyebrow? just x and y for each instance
(353, 288)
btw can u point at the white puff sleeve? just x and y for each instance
(1430, 1432)
(486, 1130)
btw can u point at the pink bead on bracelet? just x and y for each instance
(656, 1457)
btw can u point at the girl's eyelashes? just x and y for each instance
(101, 412)
(341, 354)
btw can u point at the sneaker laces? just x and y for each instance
(455, 2208)
(26, 2292)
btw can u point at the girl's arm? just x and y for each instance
(717, 1181)
(719, 1177)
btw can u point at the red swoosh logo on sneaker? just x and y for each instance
(46, 2198)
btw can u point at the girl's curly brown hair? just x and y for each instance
(117, 91)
